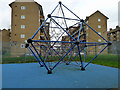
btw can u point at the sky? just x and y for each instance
(82, 8)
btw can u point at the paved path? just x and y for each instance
(30, 75)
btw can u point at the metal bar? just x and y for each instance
(39, 28)
(60, 35)
(70, 56)
(65, 18)
(84, 34)
(54, 9)
(95, 45)
(84, 56)
(53, 41)
(75, 24)
(80, 55)
(31, 51)
(45, 34)
(76, 55)
(80, 31)
(70, 11)
(92, 43)
(96, 32)
(63, 57)
(53, 27)
(56, 52)
(40, 57)
(96, 56)
(63, 29)
(47, 55)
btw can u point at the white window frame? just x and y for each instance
(99, 20)
(22, 26)
(99, 33)
(22, 35)
(23, 7)
(99, 47)
(87, 34)
(25, 41)
(22, 16)
(87, 27)
(99, 40)
(22, 45)
(118, 32)
(99, 26)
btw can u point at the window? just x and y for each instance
(99, 40)
(23, 7)
(87, 40)
(99, 26)
(22, 16)
(22, 35)
(25, 41)
(99, 47)
(99, 33)
(117, 35)
(22, 45)
(111, 33)
(87, 34)
(22, 26)
(47, 24)
(87, 28)
(41, 30)
(42, 38)
(117, 31)
(99, 20)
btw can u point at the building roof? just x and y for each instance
(94, 13)
(114, 30)
(24, 1)
(40, 7)
(4, 29)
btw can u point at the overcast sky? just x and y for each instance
(82, 8)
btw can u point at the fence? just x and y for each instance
(15, 52)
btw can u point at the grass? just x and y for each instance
(28, 59)
(106, 60)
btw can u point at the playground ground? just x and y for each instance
(31, 75)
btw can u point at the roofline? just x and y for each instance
(34, 2)
(87, 17)
(114, 30)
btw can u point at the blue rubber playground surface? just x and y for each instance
(31, 75)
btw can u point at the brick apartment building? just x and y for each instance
(5, 40)
(114, 34)
(98, 21)
(26, 18)
(114, 37)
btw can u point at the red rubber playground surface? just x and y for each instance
(31, 75)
